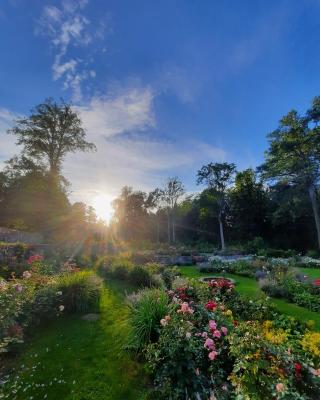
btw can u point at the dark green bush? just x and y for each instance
(139, 276)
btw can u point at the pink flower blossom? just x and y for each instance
(212, 355)
(212, 325)
(34, 258)
(185, 308)
(224, 330)
(18, 287)
(209, 344)
(204, 334)
(217, 334)
(280, 387)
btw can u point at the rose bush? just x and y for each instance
(215, 344)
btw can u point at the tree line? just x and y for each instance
(277, 202)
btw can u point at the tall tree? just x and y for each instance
(250, 204)
(218, 177)
(172, 193)
(294, 154)
(51, 132)
(155, 202)
(130, 213)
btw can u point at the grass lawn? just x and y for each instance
(313, 273)
(249, 287)
(73, 359)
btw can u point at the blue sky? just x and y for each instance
(162, 86)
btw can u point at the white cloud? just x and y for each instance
(129, 152)
(180, 82)
(124, 110)
(7, 142)
(67, 28)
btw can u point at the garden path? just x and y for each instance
(76, 359)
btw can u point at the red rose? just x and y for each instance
(235, 323)
(297, 368)
(211, 305)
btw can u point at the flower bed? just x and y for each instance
(36, 296)
(212, 343)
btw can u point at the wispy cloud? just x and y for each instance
(8, 147)
(67, 27)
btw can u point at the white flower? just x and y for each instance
(3, 284)
(26, 274)
(61, 308)
(59, 293)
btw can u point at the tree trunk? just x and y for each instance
(169, 235)
(173, 231)
(313, 198)
(221, 233)
(158, 231)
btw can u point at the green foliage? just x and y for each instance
(146, 313)
(80, 291)
(139, 276)
(263, 367)
(73, 358)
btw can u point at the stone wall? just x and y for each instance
(13, 236)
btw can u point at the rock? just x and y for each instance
(90, 317)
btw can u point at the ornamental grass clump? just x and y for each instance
(80, 291)
(146, 312)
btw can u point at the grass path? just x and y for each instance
(249, 287)
(73, 359)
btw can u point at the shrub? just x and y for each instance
(80, 291)
(140, 276)
(120, 269)
(190, 358)
(146, 313)
(265, 369)
(255, 245)
(168, 275)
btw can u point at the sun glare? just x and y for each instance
(102, 205)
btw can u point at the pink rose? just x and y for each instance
(185, 308)
(212, 325)
(224, 330)
(212, 355)
(217, 334)
(280, 387)
(209, 344)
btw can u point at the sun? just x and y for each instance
(102, 205)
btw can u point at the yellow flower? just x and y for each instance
(275, 336)
(267, 324)
(311, 343)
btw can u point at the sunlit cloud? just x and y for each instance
(7, 142)
(130, 151)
